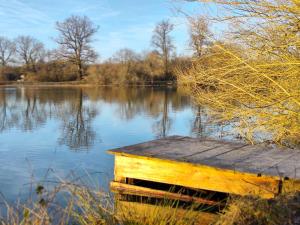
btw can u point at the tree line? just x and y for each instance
(74, 58)
(27, 55)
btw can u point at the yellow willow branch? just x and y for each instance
(254, 69)
(241, 89)
(279, 64)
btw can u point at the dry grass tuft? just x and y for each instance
(78, 204)
(284, 210)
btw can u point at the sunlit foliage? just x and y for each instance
(253, 79)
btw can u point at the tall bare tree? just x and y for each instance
(162, 40)
(75, 37)
(7, 50)
(30, 50)
(199, 34)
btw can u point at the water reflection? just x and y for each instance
(75, 108)
(66, 128)
(76, 129)
(163, 125)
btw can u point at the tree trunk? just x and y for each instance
(166, 67)
(80, 71)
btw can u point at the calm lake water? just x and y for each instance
(51, 133)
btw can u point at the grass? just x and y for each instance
(69, 203)
(283, 210)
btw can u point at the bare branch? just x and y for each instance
(162, 41)
(7, 50)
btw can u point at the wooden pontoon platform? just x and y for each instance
(205, 164)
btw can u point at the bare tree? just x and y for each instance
(7, 50)
(162, 40)
(125, 55)
(75, 36)
(128, 58)
(30, 50)
(199, 34)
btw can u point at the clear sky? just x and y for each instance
(123, 23)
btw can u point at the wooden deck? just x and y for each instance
(213, 165)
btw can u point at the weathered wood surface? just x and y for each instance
(128, 189)
(260, 159)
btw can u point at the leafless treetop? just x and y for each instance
(75, 36)
(199, 34)
(30, 50)
(162, 40)
(7, 50)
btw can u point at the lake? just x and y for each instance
(51, 133)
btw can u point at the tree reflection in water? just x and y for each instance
(55, 127)
(76, 131)
(163, 125)
(198, 123)
(76, 109)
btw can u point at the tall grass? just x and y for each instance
(87, 206)
(284, 210)
(68, 203)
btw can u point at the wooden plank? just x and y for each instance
(222, 149)
(195, 176)
(241, 154)
(147, 146)
(128, 189)
(170, 150)
(288, 168)
(259, 159)
(264, 160)
(175, 147)
(182, 149)
(140, 212)
(251, 159)
(230, 159)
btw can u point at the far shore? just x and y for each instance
(85, 84)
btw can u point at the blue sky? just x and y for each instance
(123, 23)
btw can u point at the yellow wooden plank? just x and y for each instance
(195, 176)
(149, 214)
(290, 186)
(128, 189)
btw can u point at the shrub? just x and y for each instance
(9, 73)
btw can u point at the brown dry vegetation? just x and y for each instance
(90, 206)
(87, 206)
(284, 210)
(55, 71)
(9, 73)
(148, 70)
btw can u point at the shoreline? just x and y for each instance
(85, 84)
